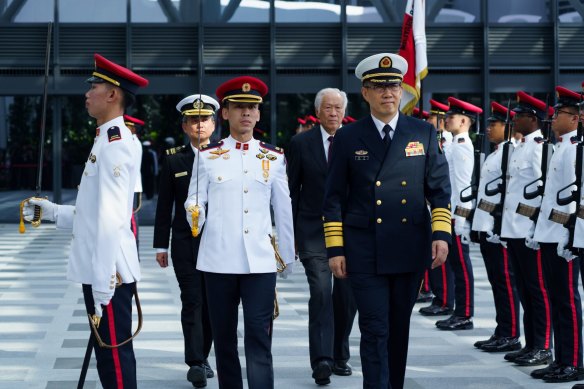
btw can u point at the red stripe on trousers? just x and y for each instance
(575, 332)
(116, 356)
(509, 292)
(426, 282)
(134, 229)
(545, 301)
(466, 282)
(445, 286)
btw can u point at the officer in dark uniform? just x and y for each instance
(198, 123)
(378, 230)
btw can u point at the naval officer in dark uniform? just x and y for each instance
(198, 123)
(378, 229)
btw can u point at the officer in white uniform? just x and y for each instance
(103, 254)
(460, 157)
(134, 125)
(517, 230)
(561, 272)
(499, 271)
(238, 179)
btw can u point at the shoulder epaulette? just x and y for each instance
(174, 150)
(212, 145)
(273, 148)
(538, 139)
(461, 140)
(574, 139)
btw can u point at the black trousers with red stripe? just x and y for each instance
(533, 293)
(562, 279)
(459, 261)
(502, 279)
(116, 367)
(442, 285)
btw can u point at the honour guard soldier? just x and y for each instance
(517, 230)
(561, 272)
(135, 125)
(198, 124)
(331, 308)
(441, 279)
(499, 270)
(238, 178)
(103, 254)
(378, 230)
(460, 155)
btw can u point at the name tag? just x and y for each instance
(414, 148)
(181, 174)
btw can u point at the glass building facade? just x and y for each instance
(477, 49)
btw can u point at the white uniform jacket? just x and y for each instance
(524, 167)
(103, 242)
(237, 182)
(460, 157)
(579, 230)
(490, 171)
(560, 174)
(138, 188)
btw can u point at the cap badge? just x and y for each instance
(246, 87)
(198, 104)
(385, 62)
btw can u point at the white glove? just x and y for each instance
(529, 242)
(284, 274)
(563, 252)
(49, 209)
(101, 298)
(463, 230)
(494, 238)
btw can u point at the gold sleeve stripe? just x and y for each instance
(441, 226)
(334, 241)
(333, 224)
(330, 229)
(441, 210)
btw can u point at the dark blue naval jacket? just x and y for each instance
(376, 201)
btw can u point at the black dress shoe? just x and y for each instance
(210, 372)
(479, 343)
(534, 358)
(424, 297)
(197, 376)
(342, 368)
(578, 386)
(435, 310)
(565, 374)
(322, 373)
(456, 323)
(512, 356)
(502, 345)
(539, 373)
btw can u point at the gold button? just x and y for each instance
(246, 231)
(404, 183)
(111, 287)
(113, 277)
(379, 221)
(219, 178)
(378, 183)
(245, 211)
(404, 201)
(85, 173)
(404, 220)
(378, 202)
(244, 190)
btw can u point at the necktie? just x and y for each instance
(387, 138)
(328, 151)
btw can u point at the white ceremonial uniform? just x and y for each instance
(138, 188)
(103, 242)
(460, 157)
(238, 186)
(491, 170)
(524, 167)
(579, 230)
(560, 174)
(446, 140)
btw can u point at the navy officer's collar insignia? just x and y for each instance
(361, 152)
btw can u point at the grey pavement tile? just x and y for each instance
(70, 385)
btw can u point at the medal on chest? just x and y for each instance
(266, 169)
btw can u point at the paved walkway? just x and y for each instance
(43, 329)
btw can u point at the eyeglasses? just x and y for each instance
(559, 111)
(393, 88)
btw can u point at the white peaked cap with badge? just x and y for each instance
(197, 104)
(382, 68)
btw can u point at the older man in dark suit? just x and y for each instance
(378, 230)
(330, 315)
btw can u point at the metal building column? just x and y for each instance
(57, 150)
(273, 84)
(344, 32)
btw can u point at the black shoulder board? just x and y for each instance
(113, 134)
(212, 145)
(273, 148)
(174, 150)
(460, 140)
(574, 139)
(538, 139)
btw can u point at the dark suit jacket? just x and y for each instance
(307, 170)
(375, 202)
(175, 177)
